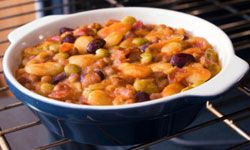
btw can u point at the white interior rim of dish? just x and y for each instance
(9, 75)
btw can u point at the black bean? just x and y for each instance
(181, 59)
(142, 96)
(59, 77)
(100, 73)
(94, 45)
(65, 29)
(68, 39)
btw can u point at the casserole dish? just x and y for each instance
(127, 124)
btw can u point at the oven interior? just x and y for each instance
(223, 124)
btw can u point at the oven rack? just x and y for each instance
(238, 29)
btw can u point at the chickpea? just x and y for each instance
(33, 78)
(61, 56)
(46, 79)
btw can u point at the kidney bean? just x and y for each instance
(59, 77)
(142, 96)
(181, 59)
(65, 29)
(68, 39)
(94, 45)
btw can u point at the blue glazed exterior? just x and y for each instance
(114, 127)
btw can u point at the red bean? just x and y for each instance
(68, 39)
(142, 96)
(65, 29)
(59, 77)
(94, 45)
(181, 59)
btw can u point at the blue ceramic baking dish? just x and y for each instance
(127, 124)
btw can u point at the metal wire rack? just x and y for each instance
(232, 16)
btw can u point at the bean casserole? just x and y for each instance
(119, 62)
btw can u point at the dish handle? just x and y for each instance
(18, 33)
(233, 73)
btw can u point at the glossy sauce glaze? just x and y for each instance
(120, 62)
